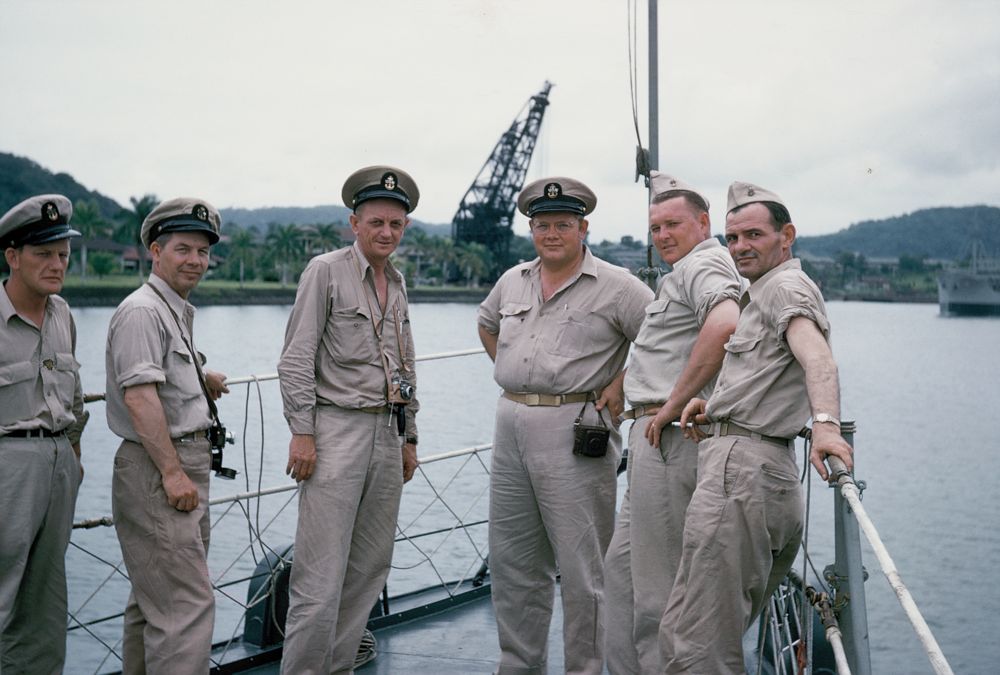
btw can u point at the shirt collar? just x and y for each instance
(7, 309)
(176, 302)
(790, 264)
(711, 242)
(363, 263)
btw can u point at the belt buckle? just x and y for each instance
(532, 399)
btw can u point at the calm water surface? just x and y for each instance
(923, 391)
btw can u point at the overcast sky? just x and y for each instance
(850, 110)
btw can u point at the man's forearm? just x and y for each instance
(150, 423)
(706, 355)
(489, 341)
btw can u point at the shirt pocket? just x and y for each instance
(65, 370)
(352, 336)
(574, 335)
(18, 391)
(180, 372)
(742, 346)
(17, 373)
(512, 318)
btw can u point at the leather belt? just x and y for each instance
(34, 433)
(727, 428)
(194, 436)
(548, 399)
(641, 411)
(375, 410)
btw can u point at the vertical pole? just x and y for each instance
(654, 102)
(848, 576)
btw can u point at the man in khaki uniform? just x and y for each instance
(675, 358)
(41, 419)
(157, 401)
(347, 383)
(559, 329)
(744, 521)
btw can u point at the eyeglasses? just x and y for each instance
(561, 227)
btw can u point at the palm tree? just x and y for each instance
(285, 241)
(473, 261)
(241, 244)
(130, 229)
(327, 237)
(88, 220)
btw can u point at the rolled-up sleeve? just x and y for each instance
(137, 349)
(632, 301)
(297, 366)
(489, 310)
(708, 283)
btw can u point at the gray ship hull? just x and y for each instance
(968, 293)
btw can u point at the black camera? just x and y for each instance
(590, 441)
(217, 438)
(401, 390)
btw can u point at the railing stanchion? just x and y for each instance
(847, 576)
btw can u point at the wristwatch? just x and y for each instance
(826, 417)
(411, 440)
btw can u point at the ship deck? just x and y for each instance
(457, 640)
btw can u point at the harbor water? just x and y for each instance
(924, 392)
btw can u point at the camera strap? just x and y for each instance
(195, 357)
(600, 414)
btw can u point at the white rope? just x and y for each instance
(853, 496)
(426, 357)
(835, 638)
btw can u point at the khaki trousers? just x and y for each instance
(344, 540)
(39, 480)
(663, 481)
(170, 613)
(619, 605)
(548, 507)
(741, 536)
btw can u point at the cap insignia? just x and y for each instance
(389, 181)
(553, 190)
(200, 212)
(50, 211)
(750, 192)
(673, 182)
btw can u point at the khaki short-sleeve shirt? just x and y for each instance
(577, 340)
(39, 374)
(332, 352)
(761, 385)
(697, 283)
(146, 345)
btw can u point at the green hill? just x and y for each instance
(260, 218)
(21, 178)
(943, 233)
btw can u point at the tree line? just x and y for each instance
(278, 252)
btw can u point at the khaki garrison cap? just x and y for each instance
(37, 220)
(380, 182)
(556, 194)
(183, 214)
(662, 183)
(741, 194)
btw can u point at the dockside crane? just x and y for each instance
(485, 215)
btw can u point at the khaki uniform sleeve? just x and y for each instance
(75, 430)
(794, 300)
(710, 282)
(410, 364)
(138, 348)
(297, 366)
(632, 301)
(489, 310)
